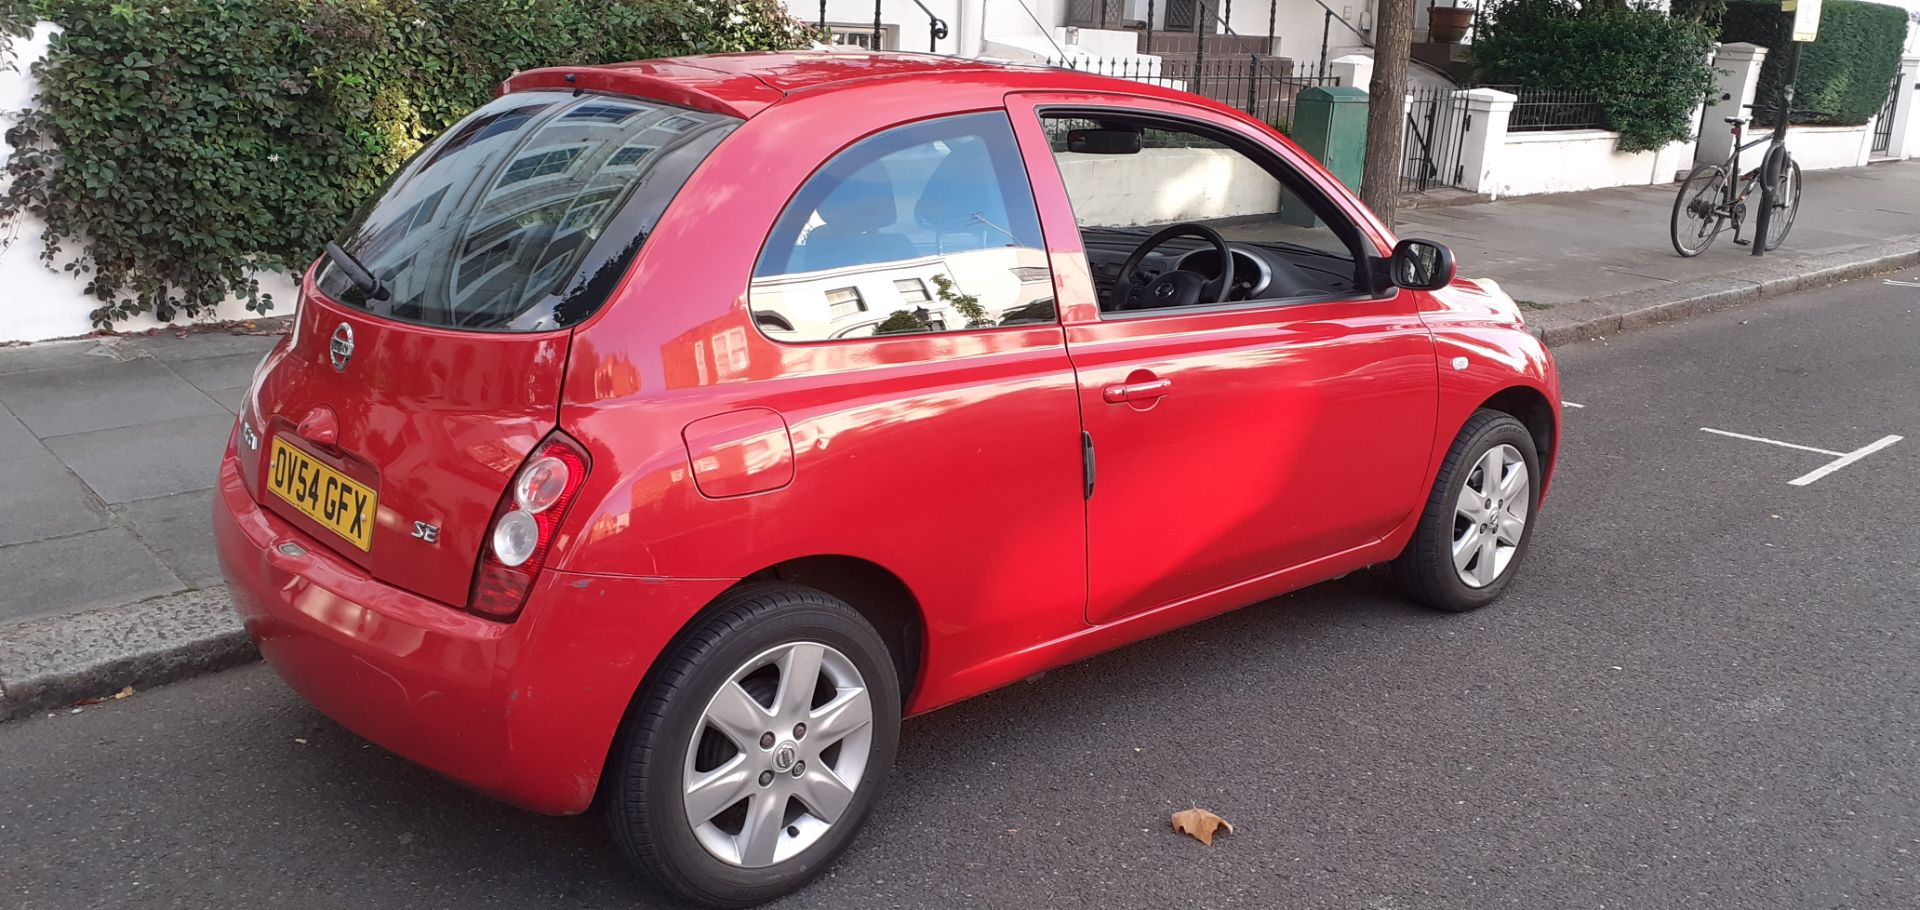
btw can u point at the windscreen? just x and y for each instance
(523, 216)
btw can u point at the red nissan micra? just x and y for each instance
(667, 431)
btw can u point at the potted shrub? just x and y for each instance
(1448, 24)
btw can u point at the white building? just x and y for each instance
(1051, 29)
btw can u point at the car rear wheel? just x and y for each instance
(1474, 531)
(759, 748)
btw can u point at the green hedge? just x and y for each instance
(184, 144)
(1844, 72)
(1647, 70)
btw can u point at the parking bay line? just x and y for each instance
(1903, 284)
(1843, 461)
(1840, 459)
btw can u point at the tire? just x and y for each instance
(1787, 194)
(1690, 230)
(673, 738)
(1427, 570)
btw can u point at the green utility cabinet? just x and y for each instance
(1331, 125)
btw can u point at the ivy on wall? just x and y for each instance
(16, 21)
(180, 146)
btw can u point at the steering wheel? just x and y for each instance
(1177, 287)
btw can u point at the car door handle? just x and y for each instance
(1136, 391)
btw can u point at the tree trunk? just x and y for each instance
(1386, 108)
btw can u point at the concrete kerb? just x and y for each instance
(52, 663)
(1604, 316)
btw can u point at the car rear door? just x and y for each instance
(428, 353)
(1234, 442)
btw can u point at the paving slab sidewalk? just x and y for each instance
(1595, 262)
(108, 445)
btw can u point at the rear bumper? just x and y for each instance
(523, 711)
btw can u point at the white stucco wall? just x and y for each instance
(1565, 161)
(1158, 186)
(38, 302)
(1818, 148)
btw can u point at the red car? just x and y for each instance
(665, 432)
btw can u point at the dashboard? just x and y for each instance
(1268, 270)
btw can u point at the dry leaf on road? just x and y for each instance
(1200, 823)
(124, 693)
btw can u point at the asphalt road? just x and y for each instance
(1703, 693)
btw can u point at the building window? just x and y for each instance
(842, 302)
(605, 113)
(912, 290)
(540, 164)
(848, 34)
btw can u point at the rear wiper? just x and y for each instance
(357, 273)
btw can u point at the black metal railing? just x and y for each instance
(1437, 124)
(1883, 124)
(1544, 109)
(1265, 87)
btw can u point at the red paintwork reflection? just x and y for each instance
(739, 452)
(1287, 445)
(435, 421)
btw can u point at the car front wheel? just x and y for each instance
(759, 748)
(1474, 531)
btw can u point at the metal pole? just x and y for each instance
(1273, 7)
(1785, 105)
(1149, 47)
(876, 24)
(823, 21)
(1103, 13)
(1326, 27)
(1253, 86)
(1226, 20)
(1199, 42)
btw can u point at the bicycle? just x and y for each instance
(1709, 199)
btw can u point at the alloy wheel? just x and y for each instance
(778, 754)
(1490, 517)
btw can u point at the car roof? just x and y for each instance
(743, 84)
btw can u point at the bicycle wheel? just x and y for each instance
(1786, 203)
(1697, 213)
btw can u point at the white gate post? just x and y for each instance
(1906, 119)
(1353, 70)
(1480, 147)
(1736, 72)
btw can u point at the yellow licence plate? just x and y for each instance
(322, 494)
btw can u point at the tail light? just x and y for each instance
(524, 525)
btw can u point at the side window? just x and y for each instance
(1129, 179)
(928, 227)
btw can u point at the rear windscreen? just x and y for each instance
(524, 216)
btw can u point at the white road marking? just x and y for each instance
(1843, 460)
(1903, 284)
(1775, 442)
(1570, 404)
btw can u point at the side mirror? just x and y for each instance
(1421, 265)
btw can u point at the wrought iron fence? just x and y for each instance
(1883, 124)
(1437, 123)
(1545, 109)
(1265, 87)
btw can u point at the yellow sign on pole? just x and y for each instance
(1806, 17)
